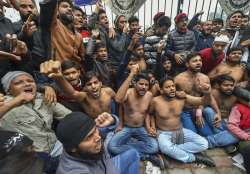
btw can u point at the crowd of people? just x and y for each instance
(81, 97)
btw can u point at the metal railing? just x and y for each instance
(171, 8)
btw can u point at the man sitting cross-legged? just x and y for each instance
(174, 140)
(131, 133)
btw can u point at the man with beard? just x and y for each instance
(225, 100)
(175, 141)
(232, 66)
(95, 99)
(131, 132)
(204, 38)
(180, 43)
(187, 82)
(84, 152)
(29, 30)
(211, 57)
(62, 40)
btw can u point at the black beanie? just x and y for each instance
(13, 141)
(73, 129)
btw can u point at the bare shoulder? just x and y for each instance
(149, 94)
(204, 76)
(109, 91)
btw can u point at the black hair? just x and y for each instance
(220, 79)
(137, 44)
(164, 58)
(218, 20)
(67, 64)
(133, 19)
(77, 8)
(141, 75)
(101, 11)
(164, 79)
(134, 58)
(164, 21)
(238, 11)
(68, 1)
(89, 75)
(245, 16)
(234, 49)
(191, 55)
(98, 46)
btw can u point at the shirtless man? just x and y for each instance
(131, 132)
(175, 141)
(95, 100)
(226, 99)
(232, 66)
(187, 82)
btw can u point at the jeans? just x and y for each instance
(133, 138)
(218, 137)
(193, 143)
(188, 122)
(128, 162)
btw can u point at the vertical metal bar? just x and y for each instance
(144, 20)
(216, 8)
(171, 9)
(202, 6)
(151, 12)
(165, 6)
(188, 6)
(222, 11)
(208, 9)
(91, 9)
(178, 6)
(158, 6)
(196, 6)
(85, 9)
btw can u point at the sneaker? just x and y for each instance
(150, 169)
(201, 158)
(230, 149)
(157, 161)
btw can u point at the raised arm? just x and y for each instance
(53, 70)
(6, 106)
(121, 93)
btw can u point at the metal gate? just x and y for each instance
(145, 14)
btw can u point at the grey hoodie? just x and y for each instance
(72, 165)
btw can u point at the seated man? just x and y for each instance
(84, 152)
(25, 112)
(192, 116)
(175, 141)
(131, 133)
(232, 66)
(239, 124)
(95, 99)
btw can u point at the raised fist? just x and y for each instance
(51, 68)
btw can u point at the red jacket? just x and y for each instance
(209, 63)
